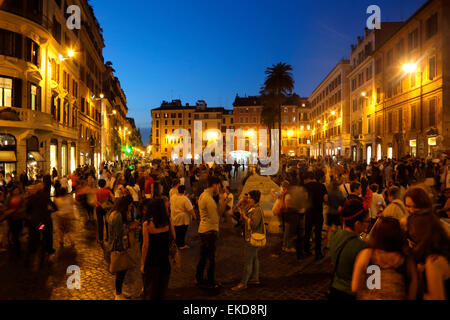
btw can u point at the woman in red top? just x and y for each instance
(103, 195)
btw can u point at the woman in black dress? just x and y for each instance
(155, 264)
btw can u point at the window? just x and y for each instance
(413, 79)
(390, 122)
(195, 116)
(389, 91)
(378, 66)
(399, 47)
(353, 83)
(34, 97)
(355, 106)
(157, 123)
(378, 95)
(369, 73)
(400, 120)
(173, 122)
(413, 117)
(431, 26)
(180, 122)
(6, 86)
(413, 39)
(165, 122)
(369, 124)
(32, 52)
(432, 68)
(173, 115)
(10, 43)
(389, 58)
(189, 122)
(180, 115)
(56, 30)
(432, 112)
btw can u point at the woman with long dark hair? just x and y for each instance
(118, 228)
(430, 245)
(155, 264)
(398, 273)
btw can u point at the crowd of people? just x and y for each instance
(390, 213)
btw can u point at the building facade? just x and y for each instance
(330, 114)
(51, 83)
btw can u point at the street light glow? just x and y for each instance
(102, 95)
(333, 113)
(363, 93)
(409, 67)
(114, 111)
(70, 53)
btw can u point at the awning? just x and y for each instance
(7, 156)
(36, 155)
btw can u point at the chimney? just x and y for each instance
(366, 32)
(359, 40)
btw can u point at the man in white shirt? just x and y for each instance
(181, 207)
(377, 204)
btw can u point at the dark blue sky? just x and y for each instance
(214, 49)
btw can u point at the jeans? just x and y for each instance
(314, 220)
(207, 254)
(120, 277)
(101, 222)
(156, 281)
(295, 223)
(251, 267)
(181, 235)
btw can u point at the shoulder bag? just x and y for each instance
(258, 239)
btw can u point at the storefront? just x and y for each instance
(413, 147)
(35, 160)
(73, 163)
(8, 149)
(53, 154)
(369, 153)
(64, 158)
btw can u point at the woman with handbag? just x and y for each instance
(118, 242)
(155, 263)
(255, 237)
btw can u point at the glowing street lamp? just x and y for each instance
(409, 67)
(70, 53)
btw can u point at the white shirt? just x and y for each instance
(180, 207)
(374, 208)
(134, 191)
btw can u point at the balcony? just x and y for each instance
(36, 120)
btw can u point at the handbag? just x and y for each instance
(121, 261)
(257, 239)
(174, 256)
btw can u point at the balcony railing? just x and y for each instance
(30, 119)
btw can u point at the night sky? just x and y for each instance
(212, 50)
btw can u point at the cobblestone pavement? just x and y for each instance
(283, 277)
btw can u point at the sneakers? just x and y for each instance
(239, 287)
(119, 297)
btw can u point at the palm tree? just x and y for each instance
(278, 86)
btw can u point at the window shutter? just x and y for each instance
(38, 99)
(17, 88)
(29, 95)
